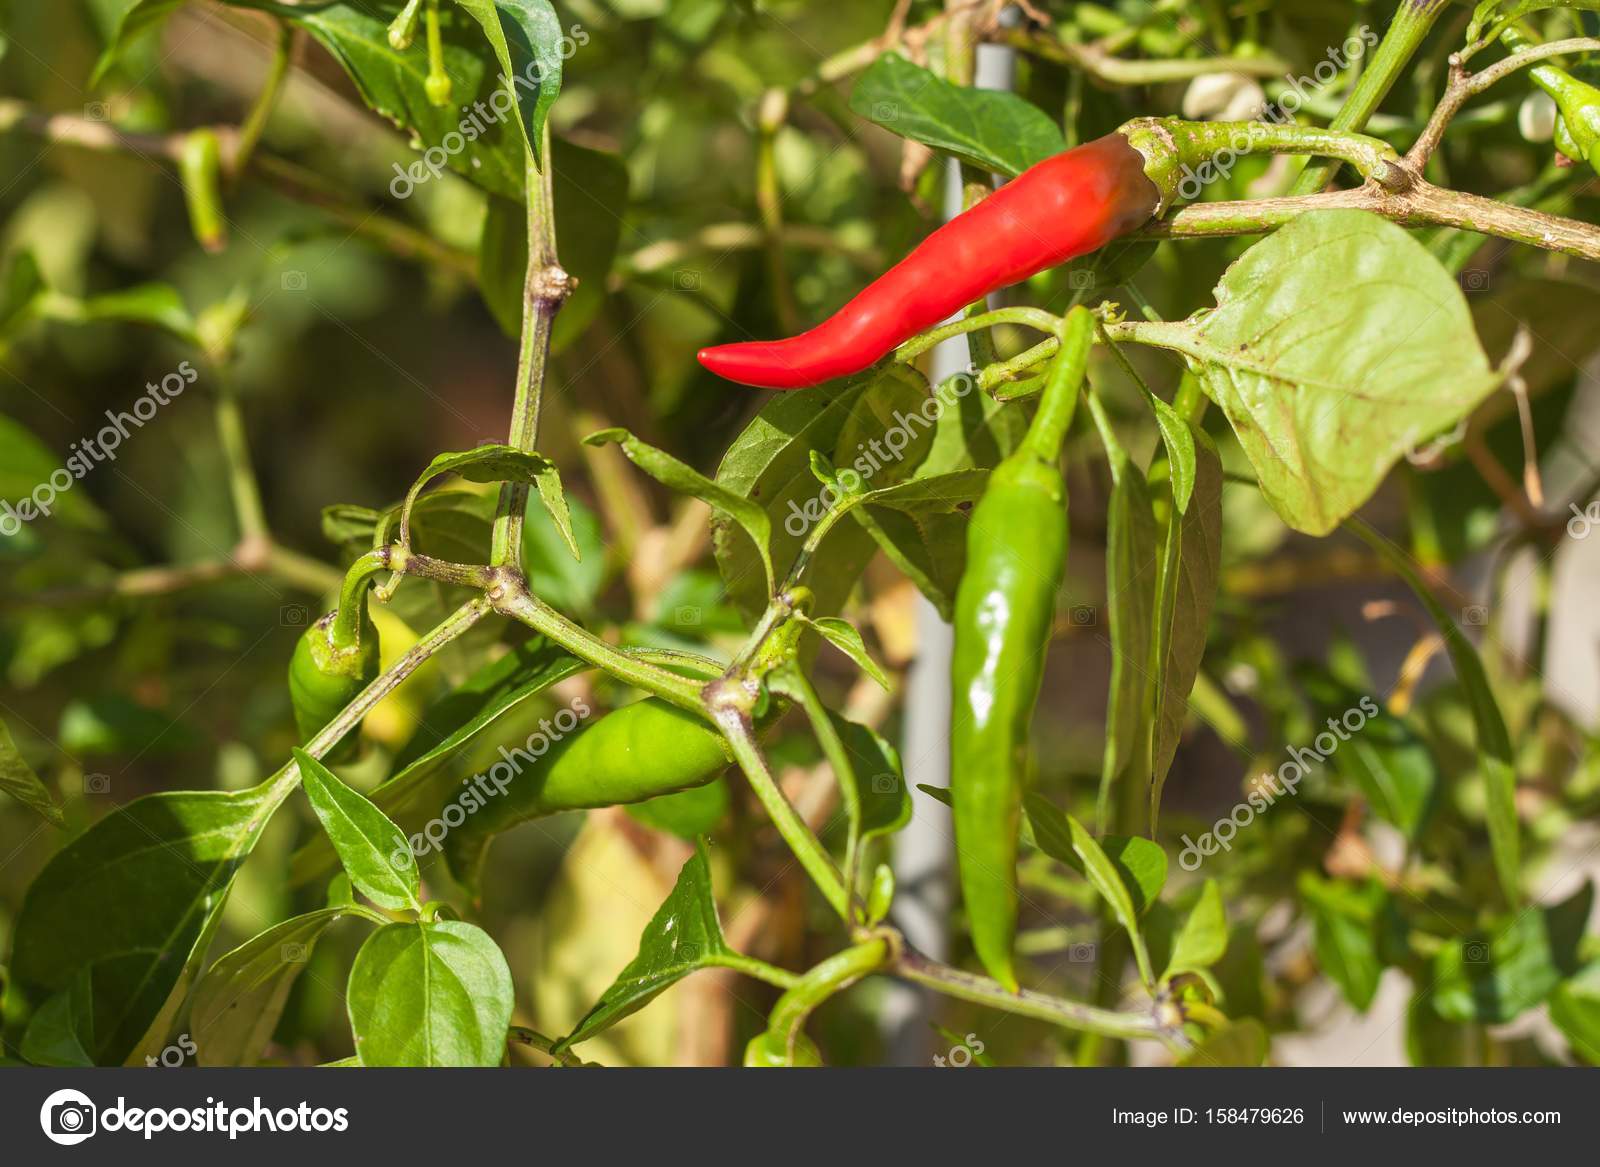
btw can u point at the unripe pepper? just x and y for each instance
(1005, 608)
(1066, 206)
(632, 754)
(1577, 133)
(333, 661)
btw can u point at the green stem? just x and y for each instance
(1060, 398)
(1031, 317)
(807, 848)
(834, 975)
(247, 507)
(913, 966)
(1405, 36)
(545, 288)
(797, 685)
(255, 123)
(301, 571)
(520, 605)
(345, 631)
(760, 970)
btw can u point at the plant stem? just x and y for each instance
(913, 966)
(255, 123)
(247, 508)
(758, 969)
(834, 975)
(797, 685)
(545, 289)
(1031, 317)
(807, 848)
(1405, 36)
(346, 628)
(1111, 70)
(513, 600)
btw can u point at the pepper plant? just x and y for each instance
(1188, 213)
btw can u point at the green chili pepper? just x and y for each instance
(1578, 128)
(632, 754)
(200, 170)
(332, 663)
(1005, 607)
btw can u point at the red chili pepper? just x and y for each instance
(1064, 207)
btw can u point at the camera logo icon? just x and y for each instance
(68, 1117)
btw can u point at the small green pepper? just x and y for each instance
(632, 754)
(1005, 608)
(332, 663)
(1578, 128)
(766, 1051)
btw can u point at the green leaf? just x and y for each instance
(526, 38)
(770, 464)
(1133, 563)
(374, 851)
(684, 479)
(1239, 1043)
(1503, 12)
(1337, 344)
(921, 525)
(1185, 592)
(554, 575)
(21, 288)
(133, 900)
(430, 994)
(1494, 743)
(844, 636)
(1349, 922)
(26, 465)
(61, 1031)
(684, 935)
(350, 527)
(136, 20)
(1394, 769)
(1496, 976)
(1203, 938)
(1060, 836)
(113, 724)
(1182, 458)
(392, 84)
(19, 781)
(498, 463)
(992, 129)
(1142, 865)
(1575, 1010)
(238, 1002)
(881, 794)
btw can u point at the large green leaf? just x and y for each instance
(1337, 344)
(238, 1002)
(921, 525)
(1496, 975)
(1350, 923)
(132, 900)
(1185, 591)
(1494, 743)
(356, 35)
(993, 129)
(19, 781)
(430, 994)
(684, 935)
(26, 466)
(499, 463)
(374, 851)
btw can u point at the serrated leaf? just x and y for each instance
(238, 1002)
(19, 781)
(1337, 344)
(684, 935)
(375, 853)
(684, 479)
(992, 129)
(133, 900)
(430, 994)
